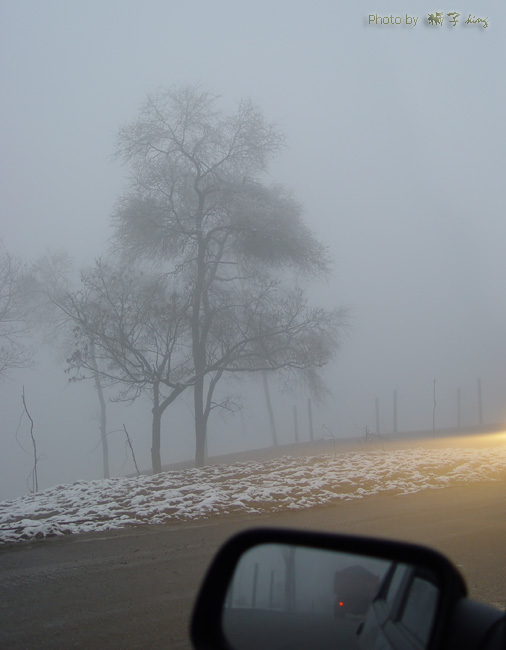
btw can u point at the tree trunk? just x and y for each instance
(199, 338)
(200, 423)
(159, 408)
(272, 422)
(156, 459)
(103, 414)
(103, 428)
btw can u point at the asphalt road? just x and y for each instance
(135, 588)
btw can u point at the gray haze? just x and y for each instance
(396, 148)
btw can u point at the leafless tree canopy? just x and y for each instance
(197, 179)
(135, 323)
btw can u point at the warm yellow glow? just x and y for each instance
(495, 439)
(476, 440)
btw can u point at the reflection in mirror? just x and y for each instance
(284, 597)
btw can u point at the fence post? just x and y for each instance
(395, 411)
(480, 407)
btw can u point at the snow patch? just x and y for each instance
(283, 484)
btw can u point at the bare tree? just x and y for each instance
(15, 351)
(129, 329)
(197, 201)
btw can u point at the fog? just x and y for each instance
(396, 140)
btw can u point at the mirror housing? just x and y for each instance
(207, 625)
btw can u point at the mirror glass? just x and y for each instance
(284, 597)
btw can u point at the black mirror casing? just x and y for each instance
(206, 624)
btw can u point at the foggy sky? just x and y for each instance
(396, 139)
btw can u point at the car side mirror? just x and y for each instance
(284, 589)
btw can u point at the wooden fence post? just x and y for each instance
(395, 411)
(310, 416)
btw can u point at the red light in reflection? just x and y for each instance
(341, 604)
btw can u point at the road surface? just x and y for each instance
(135, 588)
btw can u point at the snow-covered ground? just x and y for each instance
(247, 487)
